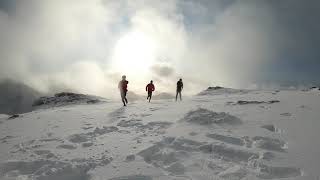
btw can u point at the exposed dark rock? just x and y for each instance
(14, 116)
(66, 98)
(214, 88)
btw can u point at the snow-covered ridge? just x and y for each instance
(66, 98)
(217, 90)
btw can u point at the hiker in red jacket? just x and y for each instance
(123, 87)
(150, 88)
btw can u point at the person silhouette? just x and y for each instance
(179, 89)
(123, 87)
(150, 88)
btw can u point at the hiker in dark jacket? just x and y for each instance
(179, 89)
(150, 88)
(123, 87)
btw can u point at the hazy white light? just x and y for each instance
(134, 53)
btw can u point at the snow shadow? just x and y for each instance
(180, 156)
(207, 117)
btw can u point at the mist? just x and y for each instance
(70, 45)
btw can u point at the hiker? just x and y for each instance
(179, 89)
(123, 87)
(150, 88)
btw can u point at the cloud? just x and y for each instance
(55, 45)
(162, 70)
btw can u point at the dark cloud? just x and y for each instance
(8, 6)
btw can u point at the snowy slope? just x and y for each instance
(219, 134)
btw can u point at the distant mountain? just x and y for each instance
(16, 97)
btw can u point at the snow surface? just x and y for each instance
(218, 134)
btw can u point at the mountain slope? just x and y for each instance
(203, 137)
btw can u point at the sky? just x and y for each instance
(87, 45)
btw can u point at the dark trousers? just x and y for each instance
(149, 95)
(124, 97)
(178, 93)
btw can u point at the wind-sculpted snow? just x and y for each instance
(207, 117)
(170, 153)
(84, 137)
(137, 125)
(229, 153)
(173, 154)
(227, 139)
(271, 172)
(269, 143)
(50, 170)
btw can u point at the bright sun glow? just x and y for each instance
(134, 53)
